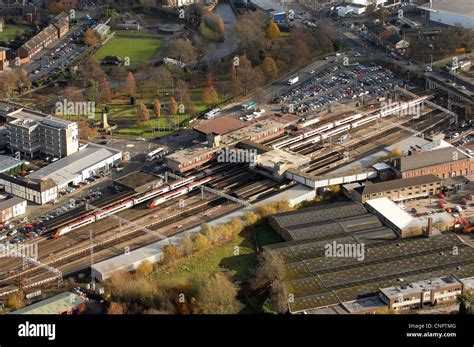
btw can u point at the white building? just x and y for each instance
(368, 2)
(79, 166)
(449, 12)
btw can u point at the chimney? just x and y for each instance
(429, 229)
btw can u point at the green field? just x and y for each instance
(137, 49)
(10, 31)
(213, 260)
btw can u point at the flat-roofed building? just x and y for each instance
(444, 163)
(398, 189)
(448, 12)
(189, 158)
(416, 294)
(31, 132)
(63, 303)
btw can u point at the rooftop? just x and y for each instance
(391, 211)
(269, 5)
(10, 202)
(6, 163)
(317, 280)
(430, 158)
(418, 287)
(374, 188)
(220, 126)
(54, 305)
(138, 179)
(69, 168)
(463, 7)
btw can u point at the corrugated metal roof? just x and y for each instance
(69, 168)
(54, 305)
(391, 211)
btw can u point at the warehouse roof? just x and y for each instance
(463, 7)
(54, 305)
(220, 126)
(317, 280)
(391, 211)
(69, 168)
(319, 212)
(374, 188)
(430, 158)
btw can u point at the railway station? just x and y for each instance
(139, 181)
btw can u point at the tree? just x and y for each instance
(272, 31)
(210, 81)
(143, 114)
(157, 108)
(187, 244)
(466, 303)
(249, 32)
(106, 94)
(269, 68)
(16, 300)
(145, 268)
(250, 218)
(182, 50)
(170, 254)
(92, 93)
(56, 8)
(267, 277)
(131, 84)
(217, 295)
(201, 242)
(210, 96)
(90, 37)
(86, 132)
(116, 308)
(173, 106)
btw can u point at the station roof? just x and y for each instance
(54, 305)
(391, 211)
(138, 179)
(69, 168)
(220, 126)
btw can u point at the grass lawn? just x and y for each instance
(10, 31)
(266, 235)
(137, 49)
(213, 260)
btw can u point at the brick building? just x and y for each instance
(444, 163)
(3, 59)
(11, 207)
(417, 294)
(37, 43)
(398, 189)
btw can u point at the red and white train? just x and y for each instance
(344, 124)
(178, 192)
(174, 189)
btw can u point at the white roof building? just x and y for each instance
(449, 12)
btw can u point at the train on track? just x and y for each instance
(174, 189)
(343, 124)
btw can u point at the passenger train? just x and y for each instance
(177, 188)
(344, 124)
